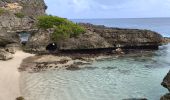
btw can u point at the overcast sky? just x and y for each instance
(108, 8)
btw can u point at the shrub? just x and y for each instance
(63, 28)
(2, 11)
(20, 98)
(61, 32)
(19, 15)
(46, 22)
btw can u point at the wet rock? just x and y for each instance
(4, 55)
(166, 97)
(166, 84)
(166, 81)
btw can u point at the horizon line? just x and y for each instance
(119, 18)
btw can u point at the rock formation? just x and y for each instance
(166, 84)
(99, 37)
(166, 40)
(18, 16)
(4, 55)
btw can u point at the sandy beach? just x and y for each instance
(9, 76)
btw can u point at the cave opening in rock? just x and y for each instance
(24, 36)
(52, 47)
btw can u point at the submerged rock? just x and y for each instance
(47, 62)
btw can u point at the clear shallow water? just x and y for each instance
(108, 79)
(160, 25)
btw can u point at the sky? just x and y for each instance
(80, 9)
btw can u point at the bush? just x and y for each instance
(63, 28)
(2, 11)
(20, 98)
(19, 15)
(46, 22)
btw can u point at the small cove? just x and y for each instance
(116, 78)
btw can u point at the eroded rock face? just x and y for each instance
(18, 16)
(99, 37)
(38, 41)
(8, 37)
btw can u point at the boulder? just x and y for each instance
(12, 48)
(4, 55)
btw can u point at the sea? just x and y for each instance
(116, 78)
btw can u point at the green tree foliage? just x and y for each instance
(63, 28)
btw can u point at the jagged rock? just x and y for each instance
(166, 81)
(4, 55)
(166, 97)
(166, 84)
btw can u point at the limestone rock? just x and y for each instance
(4, 55)
(166, 81)
(12, 48)
(99, 37)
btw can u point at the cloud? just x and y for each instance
(109, 8)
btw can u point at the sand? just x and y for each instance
(10, 77)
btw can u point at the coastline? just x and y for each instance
(10, 76)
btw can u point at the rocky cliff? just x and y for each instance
(18, 16)
(100, 37)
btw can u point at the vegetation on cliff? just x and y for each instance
(63, 28)
(19, 15)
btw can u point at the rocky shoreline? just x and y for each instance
(72, 53)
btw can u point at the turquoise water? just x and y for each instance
(116, 78)
(161, 25)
